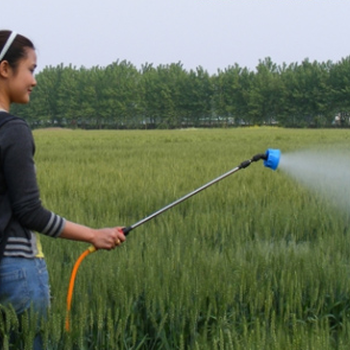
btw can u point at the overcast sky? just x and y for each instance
(213, 34)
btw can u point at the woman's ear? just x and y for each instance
(4, 69)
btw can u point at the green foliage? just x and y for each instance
(120, 96)
(253, 262)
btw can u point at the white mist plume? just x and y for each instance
(326, 172)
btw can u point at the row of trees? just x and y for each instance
(309, 94)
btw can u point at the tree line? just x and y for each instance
(306, 94)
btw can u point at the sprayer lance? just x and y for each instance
(267, 162)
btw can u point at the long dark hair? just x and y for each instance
(17, 50)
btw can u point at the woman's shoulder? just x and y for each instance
(10, 122)
(8, 117)
(13, 128)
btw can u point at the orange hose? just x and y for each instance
(91, 249)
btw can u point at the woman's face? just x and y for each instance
(22, 80)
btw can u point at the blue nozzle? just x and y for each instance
(272, 158)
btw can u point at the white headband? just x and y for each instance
(7, 45)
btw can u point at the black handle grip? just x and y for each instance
(126, 230)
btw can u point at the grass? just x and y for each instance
(256, 261)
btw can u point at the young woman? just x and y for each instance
(23, 273)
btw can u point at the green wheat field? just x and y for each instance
(254, 262)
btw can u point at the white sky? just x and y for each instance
(209, 33)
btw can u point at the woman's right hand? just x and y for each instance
(108, 238)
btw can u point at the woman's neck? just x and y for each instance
(4, 107)
(4, 101)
